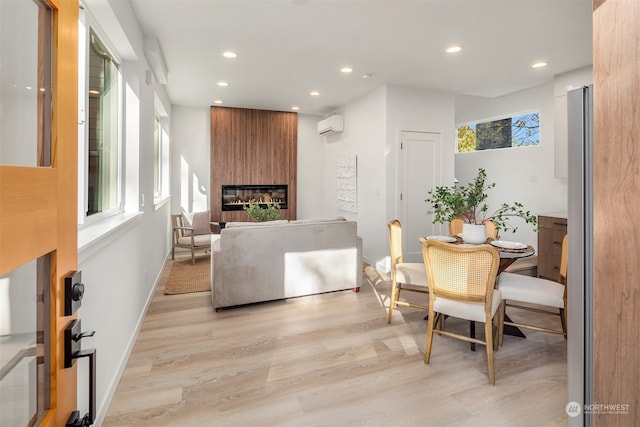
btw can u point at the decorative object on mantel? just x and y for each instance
(468, 203)
(269, 213)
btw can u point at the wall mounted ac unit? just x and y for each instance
(330, 125)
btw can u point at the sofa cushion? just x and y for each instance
(237, 224)
(317, 220)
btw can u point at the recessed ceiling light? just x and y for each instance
(217, 101)
(295, 108)
(367, 76)
(314, 93)
(229, 54)
(453, 49)
(223, 84)
(539, 65)
(346, 70)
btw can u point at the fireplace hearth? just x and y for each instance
(236, 197)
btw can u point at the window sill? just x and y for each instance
(92, 234)
(160, 201)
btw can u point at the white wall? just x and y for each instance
(522, 174)
(310, 194)
(190, 159)
(420, 110)
(364, 135)
(120, 265)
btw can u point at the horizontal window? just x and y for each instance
(517, 131)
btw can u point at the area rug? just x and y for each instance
(185, 278)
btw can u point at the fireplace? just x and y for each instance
(235, 197)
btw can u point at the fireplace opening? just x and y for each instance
(236, 197)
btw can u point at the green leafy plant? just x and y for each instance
(469, 203)
(260, 214)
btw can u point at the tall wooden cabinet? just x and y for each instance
(552, 229)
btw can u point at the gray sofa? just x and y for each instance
(255, 262)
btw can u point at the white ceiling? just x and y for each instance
(287, 48)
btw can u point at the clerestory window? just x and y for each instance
(516, 131)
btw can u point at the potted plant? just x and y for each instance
(260, 214)
(469, 204)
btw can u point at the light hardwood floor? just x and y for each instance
(329, 360)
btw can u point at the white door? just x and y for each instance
(419, 172)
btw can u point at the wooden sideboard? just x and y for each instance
(552, 229)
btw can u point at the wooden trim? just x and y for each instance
(64, 158)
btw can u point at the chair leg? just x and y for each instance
(430, 323)
(563, 320)
(173, 253)
(488, 335)
(392, 300)
(472, 334)
(193, 258)
(502, 309)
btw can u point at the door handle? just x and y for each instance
(73, 351)
(74, 419)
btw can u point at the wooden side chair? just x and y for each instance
(405, 276)
(462, 279)
(193, 237)
(539, 292)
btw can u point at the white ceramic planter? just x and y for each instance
(474, 233)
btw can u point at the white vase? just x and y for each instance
(474, 233)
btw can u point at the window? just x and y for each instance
(516, 131)
(100, 99)
(160, 160)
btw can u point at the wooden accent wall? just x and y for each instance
(616, 337)
(251, 147)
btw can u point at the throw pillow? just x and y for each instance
(201, 223)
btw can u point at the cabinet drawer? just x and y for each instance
(550, 222)
(548, 266)
(551, 241)
(550, 234)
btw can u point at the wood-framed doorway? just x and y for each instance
(38, 204)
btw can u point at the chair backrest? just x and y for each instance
(564, 260)
(490, 228)
(461, 272)
(455, 227)
(395, 243)
(177, 224)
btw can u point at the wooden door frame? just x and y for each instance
(38, 205)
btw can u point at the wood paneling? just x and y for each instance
(28, 214)
(616, 204)
(252, 147)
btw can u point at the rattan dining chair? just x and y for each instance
(462, 279)
(517, 288)
(405, 276)
(455, 227)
